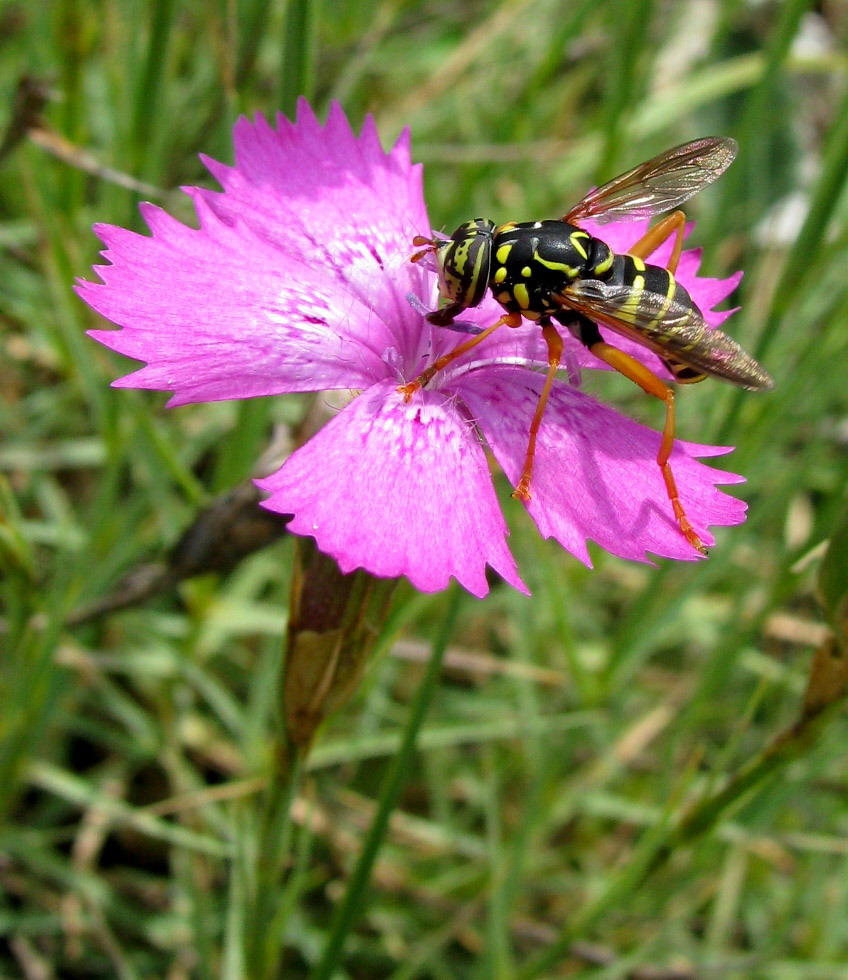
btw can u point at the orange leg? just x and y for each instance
(652, 385)
(554, 342)
(673, 224)
(409, 389)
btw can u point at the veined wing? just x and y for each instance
(658, 185)
(666, 327)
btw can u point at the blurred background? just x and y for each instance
(547, 828)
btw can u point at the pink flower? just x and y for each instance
(298, 279)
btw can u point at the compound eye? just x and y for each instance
(481, 268)
(444, 261)
(464, 263)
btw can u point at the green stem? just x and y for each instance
(273, 846)
(150, 87)
(396, 775)
(630, 24)
(296, 77)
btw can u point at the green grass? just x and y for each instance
(597, 790)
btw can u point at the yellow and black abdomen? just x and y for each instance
(652, 292)
(641, 277)
(661, 314)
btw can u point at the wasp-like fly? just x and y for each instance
(555, 271)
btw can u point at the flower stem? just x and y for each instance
(273, 845)
(393, 781)
(334, 622)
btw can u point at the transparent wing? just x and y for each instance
(668, 328)
(661, 184)
(648, 317)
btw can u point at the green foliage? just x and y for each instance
(612, 776)
(833, 577)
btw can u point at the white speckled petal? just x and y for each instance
(398, 489)
(336, 200)
(217, 313)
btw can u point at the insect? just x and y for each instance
(553, 270)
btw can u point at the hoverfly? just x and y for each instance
(555, 271)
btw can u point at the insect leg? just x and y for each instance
(673, 224)
(554, 342)
(409, 389)
(652, 385)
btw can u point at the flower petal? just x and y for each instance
(595, 475)
(332, 199)
(398, 489)
(219, 313)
